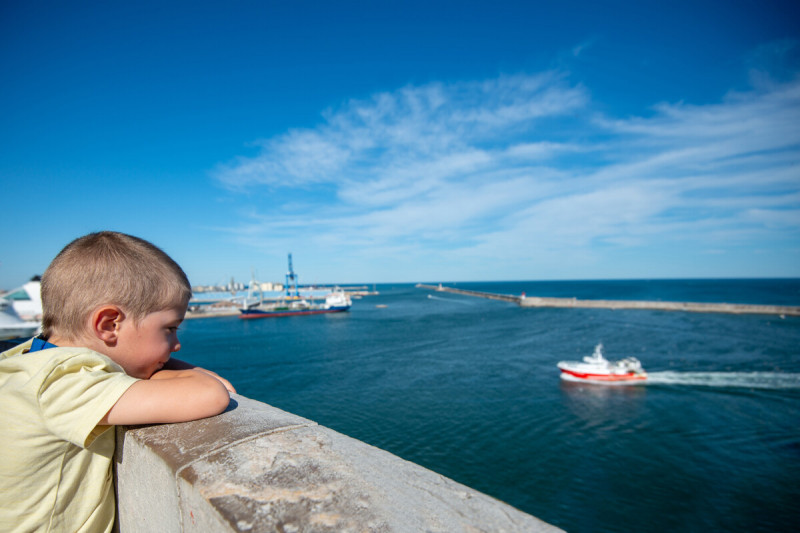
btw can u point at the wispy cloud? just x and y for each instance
(522, 167)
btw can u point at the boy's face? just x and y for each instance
(144, 348)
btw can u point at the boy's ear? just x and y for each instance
(105, 323)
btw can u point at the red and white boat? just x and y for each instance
(596, 368)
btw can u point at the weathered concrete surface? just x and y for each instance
(536, 301)
(256, 468)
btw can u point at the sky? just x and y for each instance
(406, 141)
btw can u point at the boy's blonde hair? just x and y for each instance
(108, 268)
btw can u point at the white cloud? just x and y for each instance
(522, 166)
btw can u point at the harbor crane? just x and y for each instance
(293, 277)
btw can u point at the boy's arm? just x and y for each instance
(169, 396)
(177, 364)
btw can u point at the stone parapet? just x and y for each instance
(256, 468)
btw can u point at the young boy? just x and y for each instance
(112, 304)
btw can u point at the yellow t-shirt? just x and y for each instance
(55, 461)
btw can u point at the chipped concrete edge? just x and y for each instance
(257, 468)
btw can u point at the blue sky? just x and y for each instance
(406, 141)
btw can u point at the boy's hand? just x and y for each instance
(177, 364)
(222, 380)
(166, 374)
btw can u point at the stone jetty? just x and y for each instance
(536, 301)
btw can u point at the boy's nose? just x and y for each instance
(177, 346)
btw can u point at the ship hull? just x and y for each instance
(247, 314)
(573, 375)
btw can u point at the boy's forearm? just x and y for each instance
(170, 396)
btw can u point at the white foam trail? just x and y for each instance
(749, 380)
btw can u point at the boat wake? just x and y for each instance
(748, 380)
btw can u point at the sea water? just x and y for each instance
(469, 388)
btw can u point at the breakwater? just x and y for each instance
(694, 307)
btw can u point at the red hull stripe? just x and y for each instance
(606, 377)
(256, 314)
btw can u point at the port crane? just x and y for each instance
(293, 277)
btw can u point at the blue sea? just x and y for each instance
(469, 388)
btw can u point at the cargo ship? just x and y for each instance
(337, 301)
(292, 304)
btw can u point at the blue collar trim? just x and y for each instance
(40, 344)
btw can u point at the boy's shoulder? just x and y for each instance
(11, 348)
(24, 348)
(8, 344)
(58, 360)
(66, 389)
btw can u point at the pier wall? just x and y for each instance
(692, 307)
(256, 468)
(489, 295)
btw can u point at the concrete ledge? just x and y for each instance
(257, 468)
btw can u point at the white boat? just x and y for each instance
(27, 300)
(12, 326)
(596, 368)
